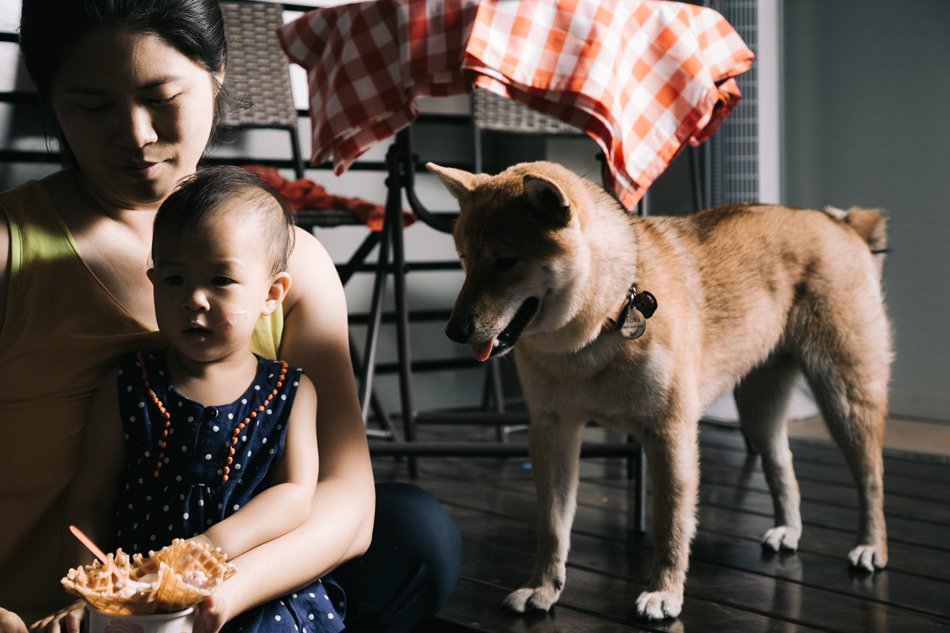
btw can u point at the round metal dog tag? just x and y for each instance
(634, 324)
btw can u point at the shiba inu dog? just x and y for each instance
(640, 323)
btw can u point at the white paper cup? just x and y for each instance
(178, 622)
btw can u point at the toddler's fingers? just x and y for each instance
(207, 619)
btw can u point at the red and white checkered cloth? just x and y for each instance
(642, 78)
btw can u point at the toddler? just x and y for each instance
(209, 440)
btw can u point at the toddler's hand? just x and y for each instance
(66, 620)
(210, 616)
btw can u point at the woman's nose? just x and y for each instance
(138, 127)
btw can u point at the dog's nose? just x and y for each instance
(459, 330)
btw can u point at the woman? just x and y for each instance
(134, 87)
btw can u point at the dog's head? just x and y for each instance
(518, 239)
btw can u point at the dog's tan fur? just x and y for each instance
(749, 296)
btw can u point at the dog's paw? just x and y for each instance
(659, 605)
(867, 558)
(782, 537)
(531, 599)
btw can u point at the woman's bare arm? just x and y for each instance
(95, 487)
(92, 496)
(341, 521)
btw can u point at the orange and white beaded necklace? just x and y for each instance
(235, 435)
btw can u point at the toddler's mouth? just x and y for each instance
(198, 331)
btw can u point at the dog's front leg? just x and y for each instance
(555, 451)
(672, 454)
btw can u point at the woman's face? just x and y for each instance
(136, 113)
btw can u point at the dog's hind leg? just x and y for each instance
(672, 453)
(555, 454)
(848, 370)
(856, 420)
(762, 400)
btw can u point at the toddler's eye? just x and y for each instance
(221, 280)
(173, 280)
(504, 263)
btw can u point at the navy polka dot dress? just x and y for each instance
(189, 494)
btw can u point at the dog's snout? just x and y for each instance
(459, 330)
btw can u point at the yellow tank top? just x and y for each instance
(61, 333)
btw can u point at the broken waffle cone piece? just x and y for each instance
(172, 579)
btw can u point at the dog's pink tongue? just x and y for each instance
(482, 351)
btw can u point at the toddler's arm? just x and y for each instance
(284, 506)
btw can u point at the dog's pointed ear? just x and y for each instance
(459, 182)
(546, 196)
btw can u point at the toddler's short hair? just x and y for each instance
(200, 197)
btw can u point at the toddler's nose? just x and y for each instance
(196, 300)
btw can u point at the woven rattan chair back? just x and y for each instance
(494, 113)
(500, 114)
(258, 73)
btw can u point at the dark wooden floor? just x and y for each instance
(732, 585)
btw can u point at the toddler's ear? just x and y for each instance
(151, 275)
(279, 286)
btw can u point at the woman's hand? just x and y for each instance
(66, 620)
(10, 622)
(210, 615)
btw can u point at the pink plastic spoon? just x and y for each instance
(92, 547)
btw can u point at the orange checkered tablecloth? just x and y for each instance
(642, 78)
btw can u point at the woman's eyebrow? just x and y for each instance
(89, 90)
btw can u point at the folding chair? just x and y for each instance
(490, 112)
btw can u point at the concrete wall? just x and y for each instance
(866, 95)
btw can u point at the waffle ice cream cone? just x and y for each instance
(172, 579)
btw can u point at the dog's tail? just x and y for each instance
(870, 224)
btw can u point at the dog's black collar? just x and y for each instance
(637, 307)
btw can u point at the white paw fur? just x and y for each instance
(782, 537)
(659, 605)
(531, 599)
(867, 557)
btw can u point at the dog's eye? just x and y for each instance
(504, 263)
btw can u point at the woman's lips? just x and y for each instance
(142, 169)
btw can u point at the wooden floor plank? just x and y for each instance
(609, 552)
(923, 467)
(474, 607)
(838, 474)
(710, 588)
(841, 495)
(732, 585)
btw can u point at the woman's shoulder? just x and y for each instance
(313, 272)
(308, 251)
(23, 201)
(30, 203)
(31, 192)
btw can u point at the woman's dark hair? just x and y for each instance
(202, 196)
(51, 29)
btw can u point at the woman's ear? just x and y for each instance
(279, 286)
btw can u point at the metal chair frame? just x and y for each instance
(259, 73)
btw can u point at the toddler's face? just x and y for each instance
(211, 284)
